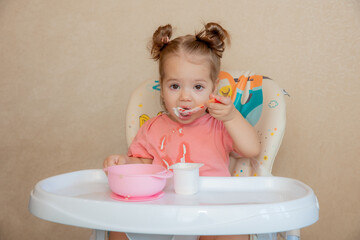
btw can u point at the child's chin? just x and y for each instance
(182, 118)
(185, 117)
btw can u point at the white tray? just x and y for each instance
(224, 205)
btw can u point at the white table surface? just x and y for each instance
(224, 205)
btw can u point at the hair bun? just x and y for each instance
(161, 38)
(214, 36)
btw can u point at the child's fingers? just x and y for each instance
(218, 112)
(219, 99)
(222, 110)
(224, 100)
(111, 161)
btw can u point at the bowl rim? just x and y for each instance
(162, 169)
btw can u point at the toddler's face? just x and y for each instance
(186, 84)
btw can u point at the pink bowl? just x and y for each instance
(137, 180)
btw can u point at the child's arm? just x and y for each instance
(244, 136)
(123, 159)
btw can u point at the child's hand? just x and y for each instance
(114, 160)
(222, 108)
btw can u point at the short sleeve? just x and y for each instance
(139, 147)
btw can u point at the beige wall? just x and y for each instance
(67, 69)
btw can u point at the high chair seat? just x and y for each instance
(259, 99)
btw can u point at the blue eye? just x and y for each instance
(174, 86)
(198, 87)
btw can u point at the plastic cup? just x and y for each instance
(186, 178)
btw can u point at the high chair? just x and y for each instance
(261, 206)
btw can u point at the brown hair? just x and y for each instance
(210, 41)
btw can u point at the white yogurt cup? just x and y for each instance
(186, 178)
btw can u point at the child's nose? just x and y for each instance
(185, 95)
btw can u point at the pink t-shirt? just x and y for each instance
(167, 142)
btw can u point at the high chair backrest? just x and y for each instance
(258, 98)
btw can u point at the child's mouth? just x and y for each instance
(182, 111)
(186, 111)
(185, 115)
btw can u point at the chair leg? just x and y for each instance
(293, 234)
(264, 236)
(98, 235)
